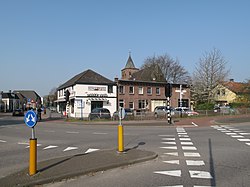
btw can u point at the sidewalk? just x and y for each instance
(76, 165)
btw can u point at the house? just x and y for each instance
(231, 92)
(28, 99)
(143, 90)
(87, 90)
(9, 101)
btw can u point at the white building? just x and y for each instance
(88, 90)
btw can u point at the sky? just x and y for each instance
(45, 43)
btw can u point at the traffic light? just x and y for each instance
(66, 95)
(168, 90)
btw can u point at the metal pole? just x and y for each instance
(33, 133)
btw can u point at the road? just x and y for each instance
(216, 155)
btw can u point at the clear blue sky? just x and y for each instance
(45, 43)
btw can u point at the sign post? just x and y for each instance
(120, 131)
(30, 120)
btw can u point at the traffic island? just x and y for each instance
(72, 166)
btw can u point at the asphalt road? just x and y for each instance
(189, 156)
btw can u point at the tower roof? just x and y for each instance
(130, 63)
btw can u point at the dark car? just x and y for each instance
(18, 112)
(100, 113)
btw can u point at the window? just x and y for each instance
(223, 92)
(142, 104)
(158, 91)
(218, 92)
(131, 90)
(140, 90)
(110, 88)
(121, 103)
(149, 90)
(131, 105)
(121, 89)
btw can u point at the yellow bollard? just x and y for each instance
(120, 138)
(33, 157)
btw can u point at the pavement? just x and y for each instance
(82, 164)
(76, 165)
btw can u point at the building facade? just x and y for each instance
(143, 90)
(87, 90)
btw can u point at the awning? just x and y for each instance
(97, 99)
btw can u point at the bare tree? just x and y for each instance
(209, 71)
(171, 68)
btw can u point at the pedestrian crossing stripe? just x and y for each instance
(200, 174)
(174, 173)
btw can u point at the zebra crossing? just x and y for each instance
(234, 133)
(178, 147)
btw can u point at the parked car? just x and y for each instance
(18, 112)
(128, 114)
(99, 113)
(161, 111)
(185, 111)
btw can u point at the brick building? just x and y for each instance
(143, 90)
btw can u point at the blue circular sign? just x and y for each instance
(30, 118)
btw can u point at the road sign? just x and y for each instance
(30, 118)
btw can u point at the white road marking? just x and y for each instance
(200, 174)
(172, 139)
(189, 148)
(179, 129)
(50, 147)
(2, 141)
(231, 133)
(221, 129)
(203, 186)
(38, 145)
(233, 129)
(72, 132)
(172, 143)
(183, 136)
(185, 139)
(23, 143)
(182, 133)
(187, 143)
(174, 173)
(245, 133)
(244, 140)
(237, 136)
(194, 124)
(172, 154)
(248, 143)
(172, 162)
(239, 131)
(173, 147)
(91, 150)
(225, 131)
(195, 162)
(100, 133)
(70, 148)
(187, 154)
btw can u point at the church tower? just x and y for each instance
(129, 69)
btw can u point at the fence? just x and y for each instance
(151, 115)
